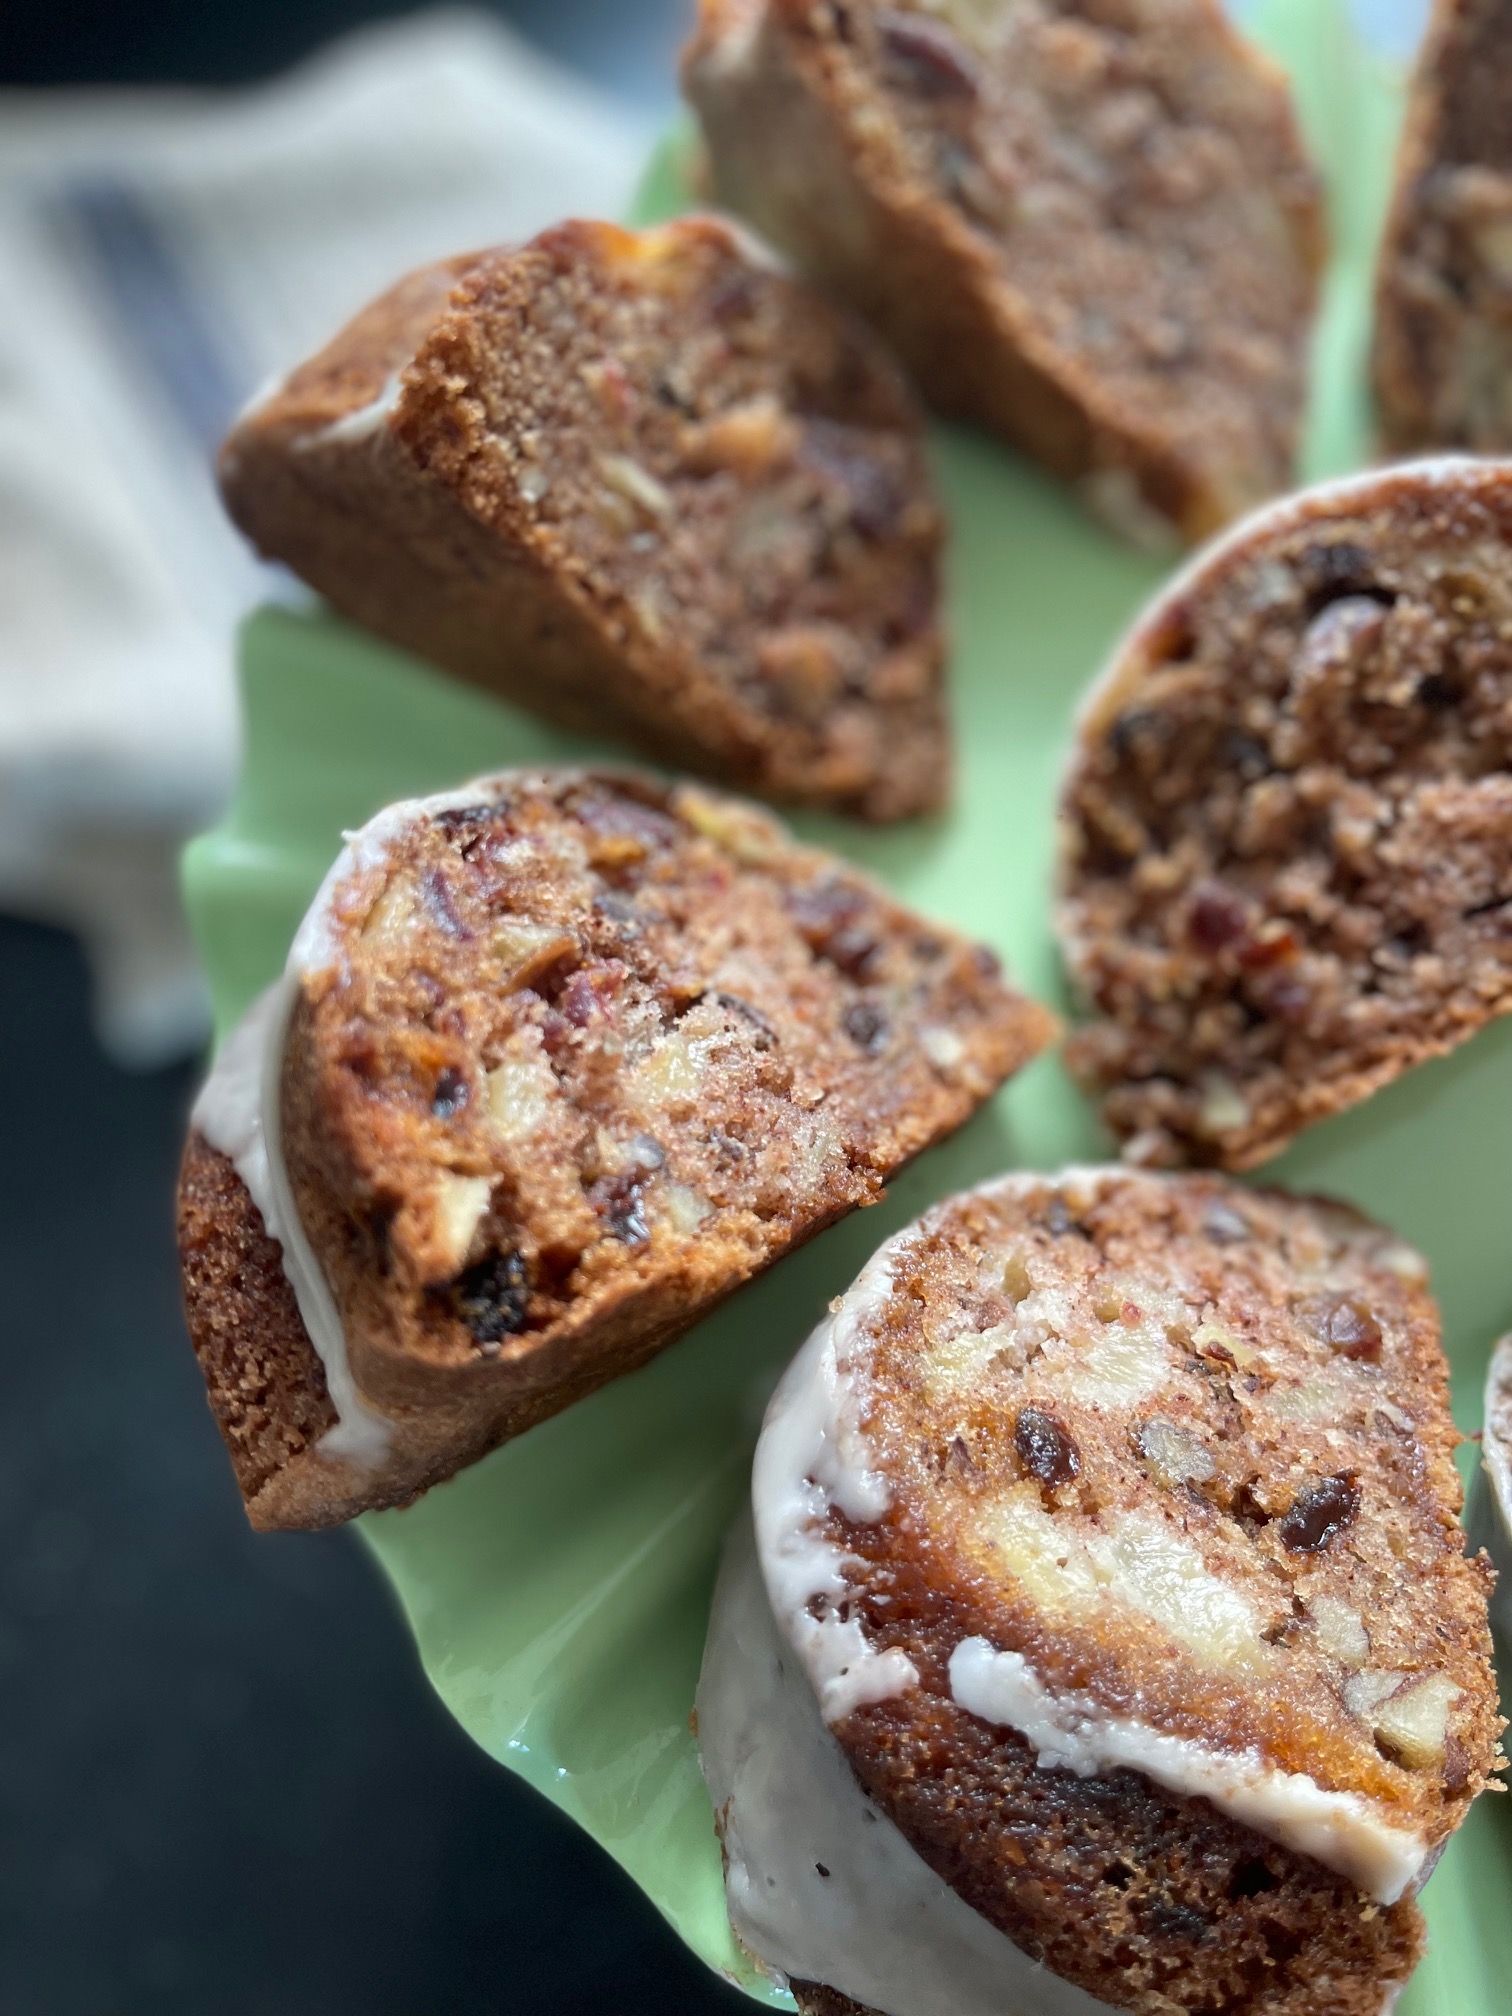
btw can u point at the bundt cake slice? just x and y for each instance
(558, 1061)
(1107, 1532)
(1093, 229)
(1287, 824)
(641, 483)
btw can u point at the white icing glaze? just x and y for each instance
(361, 422)
(811, 1456)
(814, 1455)
(1337, 1829)
(821, 1886)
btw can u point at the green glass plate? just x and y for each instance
(558, 1590)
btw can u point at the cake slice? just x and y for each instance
(641, 483)
(1106, 1568)
(1092, 229)
(558, 1061)
(1443, 343)
(1287, 826)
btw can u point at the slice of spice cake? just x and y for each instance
(641, 483)
(559, 1061)
(1443, 344)
(1106, 1567)
(1092, 229)
(1287, 826)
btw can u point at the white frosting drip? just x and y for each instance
(821, 1886)
(1071, 1733)
(361, 422)
(813, 1455)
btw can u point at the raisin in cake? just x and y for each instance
(1092, 229)
(641, 483)
(1287, 871)
(558, 1061)
(1106, 1567)
(1443, 346)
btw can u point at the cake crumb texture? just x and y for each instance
(1287, 827)
(1090, 228)
(1443, 344)
(640, 483)
(1186, 1448)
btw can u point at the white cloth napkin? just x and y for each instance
(164, 254)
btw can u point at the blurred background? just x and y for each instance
(224, 1784)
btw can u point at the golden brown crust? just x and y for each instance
(1443, 342)
(1286, 867)
(265, 1385)
(1013, 1439)
(641, 484)
(1151, 339)
(576, 1058)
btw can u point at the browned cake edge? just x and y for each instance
(267, 1388)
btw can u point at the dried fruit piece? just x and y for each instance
(1345, 1324)
(1319, 1513)
(1044, 1448)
